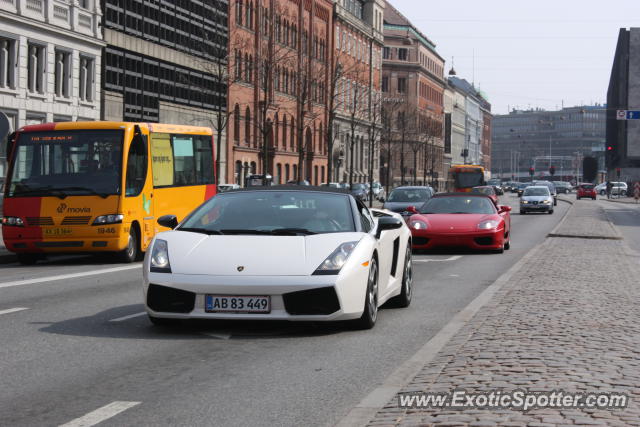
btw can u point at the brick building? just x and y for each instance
(279, 50)
(413, 87)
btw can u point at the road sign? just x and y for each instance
(628, 114)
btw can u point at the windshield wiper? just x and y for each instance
(291, 232)
(201, 231)
(248, 232)
(41, 192)
(87, 189)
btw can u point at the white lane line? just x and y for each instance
(101, 414)
(68, 276)
(453, 258)
(131, 316)
(13, 310)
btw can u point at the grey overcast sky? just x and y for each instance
(528, 54)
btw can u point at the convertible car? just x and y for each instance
(280, 253)
(461, 219)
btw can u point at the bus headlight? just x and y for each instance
(108, 219)
(160, 257)
(12, 221)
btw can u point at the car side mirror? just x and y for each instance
(504, 209)
(412, 210)
(169, 221)
(386, 223)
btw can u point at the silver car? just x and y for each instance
(536, 198)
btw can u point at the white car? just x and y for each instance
(279, 253)
(618, 189)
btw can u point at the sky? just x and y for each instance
(527, 54)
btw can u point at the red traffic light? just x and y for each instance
(609, 148)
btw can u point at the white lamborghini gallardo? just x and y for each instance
(279, 253)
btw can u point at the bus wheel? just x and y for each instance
(130, 253)
(27, 259)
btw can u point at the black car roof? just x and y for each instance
(304, 188)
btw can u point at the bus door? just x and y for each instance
(139, 192)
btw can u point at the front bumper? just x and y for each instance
(294, 298)
(529, 207)
(480, 240)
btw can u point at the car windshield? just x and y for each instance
(63, 163)
(358, 187)
(458, 205)
(409, 195)
(273, 212)
(483, 190)
(587, 186)
(536, 191)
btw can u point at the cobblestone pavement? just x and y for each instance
(567, 320)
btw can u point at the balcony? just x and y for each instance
(64, 14)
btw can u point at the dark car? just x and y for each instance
(562, 187)
(497, 186)
(520, 188)
(360, 191)
(487, 190)
(403, 197)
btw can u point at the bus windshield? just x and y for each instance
(65, 163)
(469, 179)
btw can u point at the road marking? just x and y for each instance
(101, 414)
(68, 276)
(453, 258)
(13, 310)
(131, 316)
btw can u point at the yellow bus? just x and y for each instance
(76, 187)
(463, 178)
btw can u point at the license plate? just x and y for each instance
(237, 304)
(57, 231)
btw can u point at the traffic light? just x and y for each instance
(532, 171)
(552, 170)
(609, 148)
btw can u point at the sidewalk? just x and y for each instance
(568, 319)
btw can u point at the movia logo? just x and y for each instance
(62, 208)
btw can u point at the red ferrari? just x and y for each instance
(461, 219)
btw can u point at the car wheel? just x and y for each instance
(130, 253)
(577, 198)
(522, 212)
(370, 312)
(593, 198)
(551, 212)
(160, 321)
(507, 244)
(555, 202)
(623, 193)
(404, 299)
(27, 259)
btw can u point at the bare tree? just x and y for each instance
(356, 107)
(406, 129)
(388, 114)
(431, 131)
(374, 134)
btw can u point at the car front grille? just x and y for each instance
(39, 220)
(320, 301)
(170, 300)
(484, 241)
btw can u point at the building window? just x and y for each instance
(385, 84)
(247, 126)
(87, 73)
(402, 85)
(386, 52)
(7, 63)
(36, 68)
(402, 54)
(62, 73)
(236, 124)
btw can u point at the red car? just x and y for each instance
(586, 190)
(461, 219)
(487, 190)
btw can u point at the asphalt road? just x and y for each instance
(627, 218)
(63, 356)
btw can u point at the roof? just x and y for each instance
(393, 18)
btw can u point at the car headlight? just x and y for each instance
(416, 224)
(546, 202)
(524, 202)
(334, 262)
(108, 219)
(488, 224)
(160, 257)
(12, 221)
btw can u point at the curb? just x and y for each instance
(378, 398)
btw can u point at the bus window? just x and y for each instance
(162, 160)
(136, 167)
